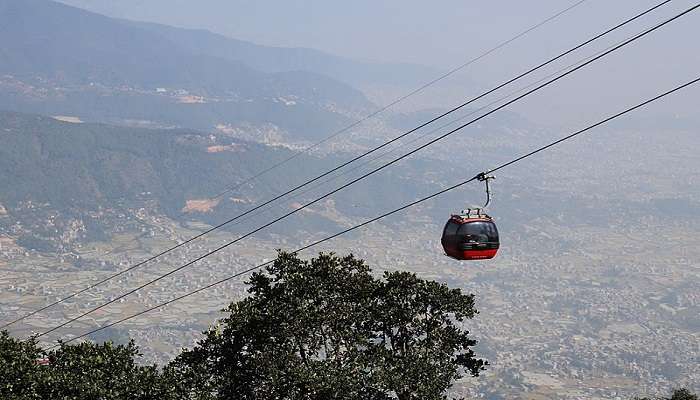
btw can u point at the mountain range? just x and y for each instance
(61, 60)
(199, 93)
(58, 59)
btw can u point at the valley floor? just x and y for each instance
(605, 312)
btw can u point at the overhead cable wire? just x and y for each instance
(323, 182)
(422, 136)
(398, 100)
(539, 87)
(219, 226)
(402, 98)
(421, 200)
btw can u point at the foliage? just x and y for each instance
(82, 371)
(18, 367)
(678, 394)
(91, 371)
(326, 328)
(683, 394)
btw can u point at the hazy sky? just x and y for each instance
(448, 32)
(407, 30)
(427, 32)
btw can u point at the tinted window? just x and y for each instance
(450, 240)
(479, 231)
(450, 229)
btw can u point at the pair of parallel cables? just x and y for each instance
(475, 178)
(328, 194)
(307, 149)
(396, 160)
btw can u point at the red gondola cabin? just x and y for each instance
(470, 237)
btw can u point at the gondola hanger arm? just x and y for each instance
(485, 177)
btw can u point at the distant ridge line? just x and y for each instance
(518, 98)
(91, 286)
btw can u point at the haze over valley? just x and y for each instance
(121, 137)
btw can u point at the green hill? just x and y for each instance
(51, 169)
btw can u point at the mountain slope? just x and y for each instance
(54, 56)
(77, 173)
(280, 59)
(89, 171)
(43, 38)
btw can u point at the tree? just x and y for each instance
(19, 372)
(83, 371)
(678, 394)
(683, 394)
(327, 328)
(99, 371)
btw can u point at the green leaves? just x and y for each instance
(19, 371)
(327, 328)
(82, 371)
(324, 328)
(678, 394)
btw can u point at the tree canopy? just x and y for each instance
(82, 371)
(327, 328)
(678, 394)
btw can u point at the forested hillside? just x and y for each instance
(76, 169)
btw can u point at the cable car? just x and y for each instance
(472, 234)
